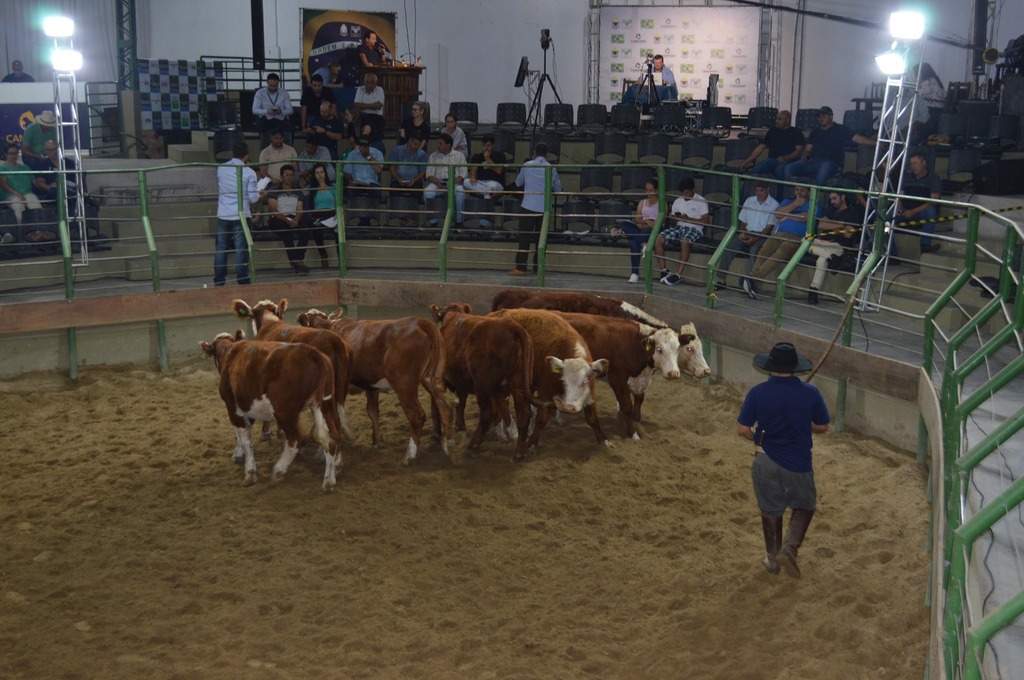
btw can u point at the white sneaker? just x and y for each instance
(633, 278)
(7, 238)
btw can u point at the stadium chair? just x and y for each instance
(511, 116)
(558, 116)
(761, 118)
(670, 119)
(717, 189)
(697, 152)
(591, 118)
(610, 147)
(596, 179)
(806, 120)
(717, 121)
(625, 117)
(652, 148)
(737, 151)
(552, 139)
(577, 216)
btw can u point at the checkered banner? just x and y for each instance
(169, 94)
(695, 41)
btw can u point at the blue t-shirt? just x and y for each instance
(798, 227)
(783, 410)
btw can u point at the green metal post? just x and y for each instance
(787, 271)
(648, 258)
(545, 226)
(242, 201)
(154, 264)
(716, 257)
(339, 217)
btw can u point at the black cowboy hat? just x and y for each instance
(782, 359)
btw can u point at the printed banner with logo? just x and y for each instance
(333, 36)
(696, 43)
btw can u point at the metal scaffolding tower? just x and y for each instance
(127, 46)
(891, 151)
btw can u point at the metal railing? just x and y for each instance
(970, 360)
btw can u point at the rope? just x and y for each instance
(850, 231)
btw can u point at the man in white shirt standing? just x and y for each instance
(532, 178)
(689, 214)
(230, 234)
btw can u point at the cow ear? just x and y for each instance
(281, 307)
(303, 319)
(436, 313)
(242, 310)
(600, 367)
(206, 347)
(555, 363)
(648, 344)
(686, 339)
(239, 335)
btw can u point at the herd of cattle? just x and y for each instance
(536, 348)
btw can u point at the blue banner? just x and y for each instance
(14, 118)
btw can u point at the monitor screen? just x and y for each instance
(524, 68)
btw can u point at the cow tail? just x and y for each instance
(435, 379)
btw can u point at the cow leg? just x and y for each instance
(292, 440)
(243, 433)
(590, 413)
(540, 419)
(343, 421)
(460, 410)
(243, 436)
(440, 410)
(373, 413)
(637, 401)
(414, 413)
(523, 413)
(265, 431)
(626, 410)
(485, 403)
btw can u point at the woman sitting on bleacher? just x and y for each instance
(639, 230)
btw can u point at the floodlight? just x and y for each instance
(906, 25)
(58, 27)
(891, 63)
(66, 61)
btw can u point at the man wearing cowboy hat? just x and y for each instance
(33, 142)
(779, 416)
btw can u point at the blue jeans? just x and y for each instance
(637, 239)
(770, 166)
(820, 169)
(230, 236)
(734, 248)
(930, 213)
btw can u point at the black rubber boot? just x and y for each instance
(771, 525)
(812, 296)
(795, 532)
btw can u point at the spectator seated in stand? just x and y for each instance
(825, 151)
(311, 104)
(416, 123)
(784, 142)
(459, 141)
(689, 215)
(639, 229)
(322, 204)
(487, 171)
(310, 157)
(362, 169)
(921, 183)
(837, 236)
(406, 173)
(276, 154)
(16, 184)
(272, 106)
(33, 141)
(786, 237)
(285, 210)
(446, 164)
(757, 219)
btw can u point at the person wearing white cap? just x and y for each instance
(33, 142)
(779, 416)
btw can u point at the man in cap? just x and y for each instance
(825, 151)
(33, 142)
(779, 416)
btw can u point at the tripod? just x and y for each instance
(533, 119)
(647, 85)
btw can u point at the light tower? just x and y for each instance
(901, 64)
(66, 61)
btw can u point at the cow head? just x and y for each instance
(578, 376)
(691, 352)
(220, 346)
(314, 318)
(263, 312)
(664, 346)
(450, 308)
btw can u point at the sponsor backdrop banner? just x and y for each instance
(695, 41)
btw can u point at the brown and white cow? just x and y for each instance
(275, 381)
(492, 359)
(396, 355)
(691, 357)
(636, 350)
(268, 324)
(564, 372)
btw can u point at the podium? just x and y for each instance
(401, 84)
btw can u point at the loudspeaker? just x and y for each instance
(998, 178)
(259, 49)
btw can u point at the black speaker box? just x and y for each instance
(999, 178)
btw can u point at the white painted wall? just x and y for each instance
(483, 41)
